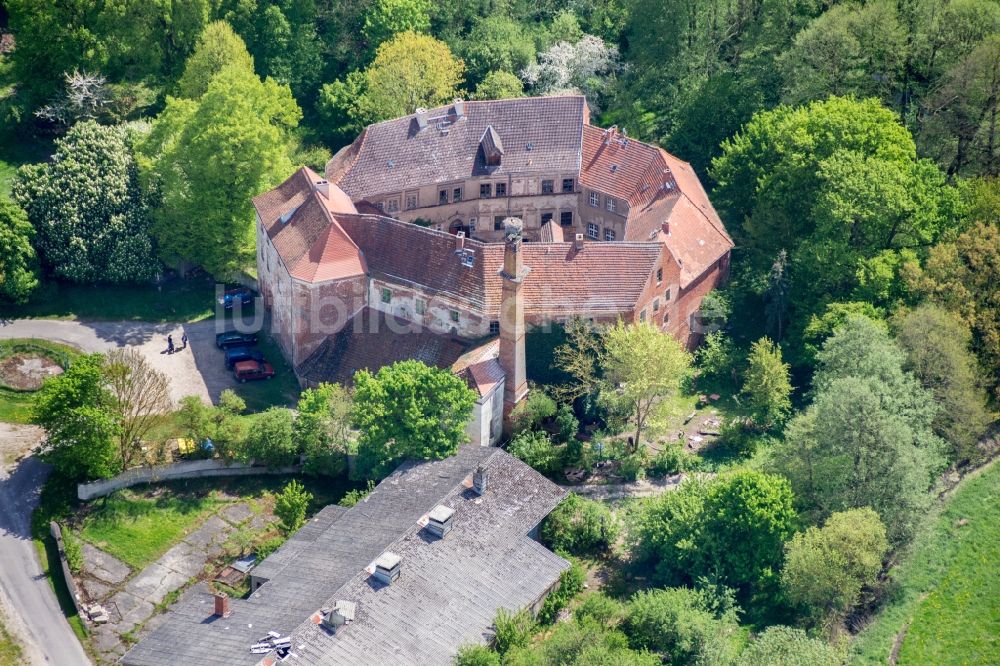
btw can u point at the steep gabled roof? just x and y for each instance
(624, 168)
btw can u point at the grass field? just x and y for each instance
(948, 586)
(15, 406)
(10, 651)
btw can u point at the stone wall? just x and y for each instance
(188, 469)
(74, 591)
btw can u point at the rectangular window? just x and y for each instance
(380, 205)
(494, 327)
(567, 184)
(659, 275)
(595, 199)
(420, 305)
(442, 197)
(656, 305)
(456, 194)
(609, 203)
(472, 225)
(547, 186)
(498, 222)
(566, 218)
(392, 205)
(501, 189)
(593, 231)
(642, 316)
(546, 217)
(609, 234)
(411, 201)
(454, 315)
(666, 295)
(485, 190)
(386, 296)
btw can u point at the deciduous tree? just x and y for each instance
(499, 85)
(18, 263)
(785, 646)
(139, 395)
(387, 18)
(270, 440)
(766, 384)
(290, 506)
(323, 428)
(217, 47)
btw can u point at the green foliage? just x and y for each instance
(497, 43)
(673, 459)
(937, 352)
(476, 655)
(784, 646)
(716, 357)
(570, 584)
(270, 440)
(73, 550)
(218, 47)
(766, 384)
(676, 623)
(220, 423)
(290, 506)
(74, 409)
(18, 264)
(580, 526)
(731, 529)
(582, 642)
(821, 327)
(567, 424)
(323, 429)
(535, 448)
(209, 157)
(512, 630)
(387, 18)
(499, 85)
(352, 497)
(88, 209)
(408, 410)
(604, 610)
(533, 410)
(826, 568)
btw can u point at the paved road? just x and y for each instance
(198, 370)
(25, 586)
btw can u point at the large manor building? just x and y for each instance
(446, 234)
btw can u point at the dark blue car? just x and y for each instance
(240, 295)
(236, 354)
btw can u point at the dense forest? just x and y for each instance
(850, 147)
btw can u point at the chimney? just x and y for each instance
(222, 604)
(578, 242)
(323, 187)
(512, 318)
(666, 228)
(459, 107)
(421, 117)
(459, 241)
(342, 613)
(439, 520)
(479, 480)
(387, 567)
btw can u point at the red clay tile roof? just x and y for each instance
(310, 242)
(624, 168)
(539, 134)
(481, 367)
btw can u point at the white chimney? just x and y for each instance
(439, 520)
(459, 241)
(387, 567)
(421, 117)
(479, 480)
(323, 187)
(459, 107)
(578, 242)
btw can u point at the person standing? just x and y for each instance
(184, 340)
(170, 344)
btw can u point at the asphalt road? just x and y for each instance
(27, 588)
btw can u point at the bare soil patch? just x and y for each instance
(25, 371)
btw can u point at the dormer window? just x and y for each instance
(492, 147)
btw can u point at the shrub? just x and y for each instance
(270, 440)
(606, 611)
(672, 460)
(632, 466)
(570, 584)
(567, 424)
(512, 629)
(535, 448)
(530, 413)
(476, 655)
(784, 646)
(580, 526)
(290, 506)
(71, 547)
(265, 548)
(352, 497)
(676, 623)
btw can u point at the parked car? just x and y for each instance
(236, 354)
(241, 295)
(235, 339)
(250, 370)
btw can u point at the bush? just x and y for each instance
(676, 623)
(265, 548)
(672, 460)
(530, 413)
(738, 436)
(352, 497)
(783, 646)
(567, 424)
(580, 526)
(476, 655)
(71, 547)
(512, 629)
(606, 611)
(290, 506)
(270, 441)
(535, 448)
(632, 467)
(570, 584)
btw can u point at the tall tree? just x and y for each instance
(217, 47)
(210, 157)
(387, 18)
(408, 410)
(18, 263)
(88, 207)
(641, 368)
(497, 43)
(766, 384)
(323, 428)
(139, 396)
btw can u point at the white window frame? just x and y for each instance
(609, 203)
(420, 305)
(593, 231)
(609, 234)
(595, 199)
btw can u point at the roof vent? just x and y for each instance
(479, 478)
(468, 260)
(614, 168)
(459, 107)
(387, 567)
(439, 520)
(578, 242)
(529, 146)
(421, 114)
(391, 163)
(341, 614)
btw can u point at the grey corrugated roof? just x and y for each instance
(328, 553)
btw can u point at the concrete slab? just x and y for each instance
(132, 609)
(213, 530)
(103, 566)
(184, 559)
(237, 513)
(154, 583)
(95, 589)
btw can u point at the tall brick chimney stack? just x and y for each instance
(512, 318)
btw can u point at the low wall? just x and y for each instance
(188, 469)
(74, 591)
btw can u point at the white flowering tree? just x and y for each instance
(584, 67)
(87, 207)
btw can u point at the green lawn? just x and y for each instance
(10, 651)
(15, 406)
(176, 301)
(948, 586)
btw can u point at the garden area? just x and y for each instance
(24, 365)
